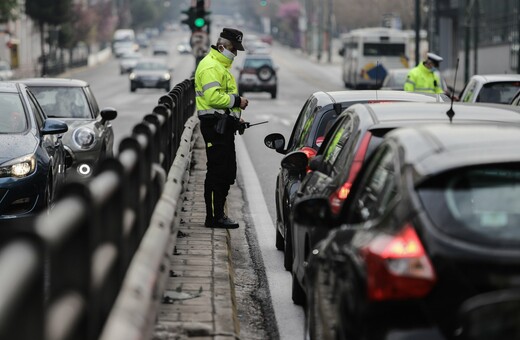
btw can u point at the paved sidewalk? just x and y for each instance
(199, 301)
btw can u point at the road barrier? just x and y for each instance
(101, 253)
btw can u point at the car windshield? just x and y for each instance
(62, 102)
(12, 114)
(479, 203)
(150, 66)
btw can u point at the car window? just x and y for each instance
(62, 102)
(337, 143)
(12, 114)
(257, 63)
(378, 187)
(468, 91)
(478, 203)
(39, 115)
(92, 100)
(150, 66)
(498, 92)
(307, 111)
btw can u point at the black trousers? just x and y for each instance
(221, 166)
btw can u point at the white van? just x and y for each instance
(369, 52)
(124, 34)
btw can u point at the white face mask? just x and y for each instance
(227, 53)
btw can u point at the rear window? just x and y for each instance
(257, 63)
(377, 50)
(480, 204)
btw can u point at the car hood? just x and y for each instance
(14, 146)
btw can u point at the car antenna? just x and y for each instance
(450, 112)
(377, 77)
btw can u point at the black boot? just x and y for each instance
(225, 222)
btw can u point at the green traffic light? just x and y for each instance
(263, 3)
(199, 22)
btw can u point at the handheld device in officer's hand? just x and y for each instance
(247, 125)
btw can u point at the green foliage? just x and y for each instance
(145, 13)
(8, 10)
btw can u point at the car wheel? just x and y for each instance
(132, 88)
(298, 295)
(287, 254)
(273, 94)
(265, 73)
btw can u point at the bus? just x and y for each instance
(369, 52)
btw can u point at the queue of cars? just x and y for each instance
(394, 215)
(51, 131)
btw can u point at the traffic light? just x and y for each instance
(263, 3)
(190, 12)
(197, 18)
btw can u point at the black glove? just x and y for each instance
(242, 127)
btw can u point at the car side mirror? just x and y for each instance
(315, 163)
(108, 113)
(314, 211)
(295, 161)
(53, 126)
(275, 141)
(491, 315)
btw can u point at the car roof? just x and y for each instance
(435, 148)
(487, 78)
(382, 95)
(8, 86)
(387, 114)
(63, 82)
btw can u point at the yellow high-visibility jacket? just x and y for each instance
(421, 79)
(215, 87)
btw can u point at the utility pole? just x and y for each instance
(329, 31)
(417, 31)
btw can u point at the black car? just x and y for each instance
(150, 73)
(258, 74)
(431, 221)
(352, 139)
(90, 138)
(32, 161)
(315, 118)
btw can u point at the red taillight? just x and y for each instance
(338, 196)
(310, 152)
(398, 267)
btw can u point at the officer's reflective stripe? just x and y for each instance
(199, 93)
(231, 100)
(209, 112)
(424, 89)
(410, 82)
(210, 85)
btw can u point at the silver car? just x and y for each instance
(90, 137)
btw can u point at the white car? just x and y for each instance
(128, 61)
(491, 88)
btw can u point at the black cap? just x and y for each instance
(233, 35)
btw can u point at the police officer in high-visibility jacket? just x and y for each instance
(219, 109)
(424, 77)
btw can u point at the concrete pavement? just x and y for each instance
(199, 301)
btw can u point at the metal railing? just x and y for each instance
(60, 277)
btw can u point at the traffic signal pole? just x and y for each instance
(199, 22)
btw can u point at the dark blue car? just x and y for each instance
(32, 157)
